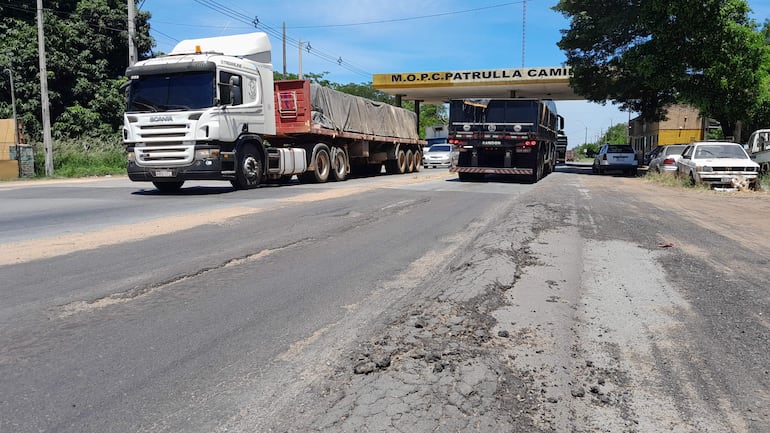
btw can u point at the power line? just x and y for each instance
(278, 34)
(419, 17)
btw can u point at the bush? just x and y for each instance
(83, 157)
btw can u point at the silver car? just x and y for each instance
(665, 160)
(439, 155)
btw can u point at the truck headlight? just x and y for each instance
(705, 169)
(206, 153)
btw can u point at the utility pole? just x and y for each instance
(132, 55)
(44, 92)
(523, 32)
(284, 50)
(300, 59)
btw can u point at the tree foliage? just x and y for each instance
(647, 55)
(86, 58)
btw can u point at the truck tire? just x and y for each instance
(339, 165)
(322, 163)
(409, 161)
(248, 169)
(537, 171)
(398, 165)
(417, 160)
(465, 177)
(168, 186)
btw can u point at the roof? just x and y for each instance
(440, 86)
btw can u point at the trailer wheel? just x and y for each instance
(409, 161)
(248, 171)
(398, 165)
(417, 160)
(322, 164)
(339, 166)
(168, 186)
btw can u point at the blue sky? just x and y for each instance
(376, 36)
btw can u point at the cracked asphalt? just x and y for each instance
(582, 303)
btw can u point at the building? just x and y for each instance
(683, 125)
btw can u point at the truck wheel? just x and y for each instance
(340, 166)
(168, 186)
(409, 161)
(464, 177)
(398, 165)
(322, 164)
(248, 171)
(537, 171)
(417, 160)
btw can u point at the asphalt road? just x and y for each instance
(391, 303)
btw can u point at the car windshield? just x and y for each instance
(719, 151)
(440, 148)
(619, 149)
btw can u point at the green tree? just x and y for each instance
(86, 57)
(617, 134)
(650, 54)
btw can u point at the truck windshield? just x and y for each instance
(171, 92)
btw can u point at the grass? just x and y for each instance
(669, 179)
(84, 157)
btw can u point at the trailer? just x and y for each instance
(210, 110)
(512, 137)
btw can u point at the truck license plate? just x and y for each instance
(164, 173)
(727, 179)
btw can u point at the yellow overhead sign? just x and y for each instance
(484, 77)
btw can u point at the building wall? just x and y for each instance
(683, 125)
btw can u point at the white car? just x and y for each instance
(719, 164)
(666, 158)
(439, 155)
(615, 157)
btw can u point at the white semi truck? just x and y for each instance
(210, 110)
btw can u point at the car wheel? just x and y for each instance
(692, 179)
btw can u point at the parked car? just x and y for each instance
(758, 148)
(665, 160)
(649, 156)
(615, 157)
(720, 164)
(438, 155)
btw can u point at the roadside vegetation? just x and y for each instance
(83, 157)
